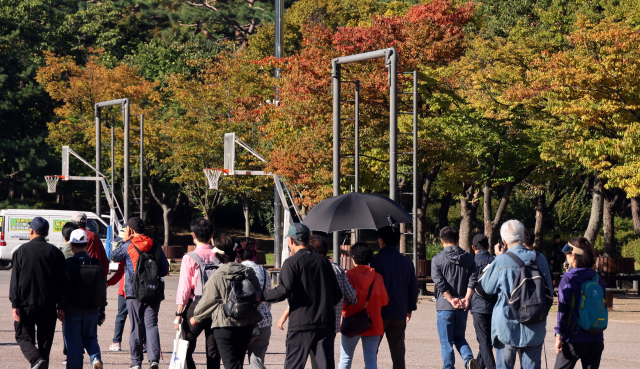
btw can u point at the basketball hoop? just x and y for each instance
(213, 177)
(52, 181)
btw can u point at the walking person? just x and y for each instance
(67, 229)
(38, 283)
(309, 284)
(454, 274)
(121, 315)
(262, 332)
(364, 279)
(232, 335)
(573, 342)
(482, 306)
(85, 302)
(145, 260)
(95, 246)
(508, 334)
(195, 269)
(402, 286)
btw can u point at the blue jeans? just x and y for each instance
(451, 328)
(369, 350)
(80, 333)
(506, 356)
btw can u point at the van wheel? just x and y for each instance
(5, 264)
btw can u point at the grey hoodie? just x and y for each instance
(453, 270)
(216, 293)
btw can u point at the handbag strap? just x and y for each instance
(369, 295)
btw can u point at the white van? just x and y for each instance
(14, 229)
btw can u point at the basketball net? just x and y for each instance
(52, 181)
(213, 177)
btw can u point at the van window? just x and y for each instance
(97, 227)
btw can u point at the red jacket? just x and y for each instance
(118, 277)
(361, 278)
(96, 250)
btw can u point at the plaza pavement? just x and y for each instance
(622, 339)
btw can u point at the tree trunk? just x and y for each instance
(596, 210)
(166, 210)
(491, 225)
(443, 215)
(468, 211)
(247, 217)
(611, 199)
(402, 246)
(538, 229)
(424, 190)
(635, 213)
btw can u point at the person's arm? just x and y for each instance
(350, 295)
(115, 278)
(334, 286)
(120, 253)
(283, 319)
(565, 294)
(14, 285)
(287, 279)
(210, 298)
(438, 279)
(164, 264)
(413, 291)
(545, 270)
(490, 279)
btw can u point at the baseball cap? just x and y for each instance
(136, 224)
(299, 232)
(480, 240)
(79, 216)
(39, 222)
(78, 236)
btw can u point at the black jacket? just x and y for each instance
(307, 280)
(39, 275)
(480, 305)
(453, 270)
(399, 280)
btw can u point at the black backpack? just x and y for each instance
(206, 271)
(241, 303)
(531, 299)
(87, 283)
(148, 287)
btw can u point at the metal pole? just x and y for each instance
(415, 171)
(113, 193)
(357, 137)
(126, 158)
(335, 90)
(393, 124)
(141, 191)
(98, 151)
(277, 226)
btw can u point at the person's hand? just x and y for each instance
(281, 322)
(558, 345)
(455, 302)
(497, 250)
(408, 317)
(102, 320)
(16, 315)
(177, 322)
(193, 322)
(258, 296)
(127, 234)
(464, 304)
(61, 315)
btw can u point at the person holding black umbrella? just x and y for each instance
(402, 286)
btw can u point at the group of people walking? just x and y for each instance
(224, 293)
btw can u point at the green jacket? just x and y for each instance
(216, 293)
(66, 250)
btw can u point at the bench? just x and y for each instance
(616, 278)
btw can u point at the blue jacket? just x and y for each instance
(571, 286)
(480, 305)
(399, 280)
(126, 250)
(499, 279)
(453, 270)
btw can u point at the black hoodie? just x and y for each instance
(453, 270)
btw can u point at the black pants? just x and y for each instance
(45, 319)
(589, 353)
(394, 330)
(482, 325)
(318, 342)
(233, 343)
(191, 333)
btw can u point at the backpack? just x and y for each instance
(206, 271)
(87, 283)
(148, 287)
(241, 303)
(593, 316)
(531, 299)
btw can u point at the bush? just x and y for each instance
(631, 249)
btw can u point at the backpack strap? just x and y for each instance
(194, 255)
(515, 258)
(370, 290)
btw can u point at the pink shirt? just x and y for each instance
(190, 273)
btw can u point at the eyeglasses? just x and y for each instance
(569, 248)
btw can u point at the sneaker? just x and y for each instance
(134, 367)
(64, 362)
(40, 364)
(154, 365)
(115, 347)
(97, 364)
(471, 364)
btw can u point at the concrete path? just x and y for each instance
(622, 339)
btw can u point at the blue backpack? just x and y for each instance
(593, 315)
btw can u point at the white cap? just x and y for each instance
(78, 236)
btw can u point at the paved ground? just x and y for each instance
(621, 339)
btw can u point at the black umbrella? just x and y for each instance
(355, 211)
